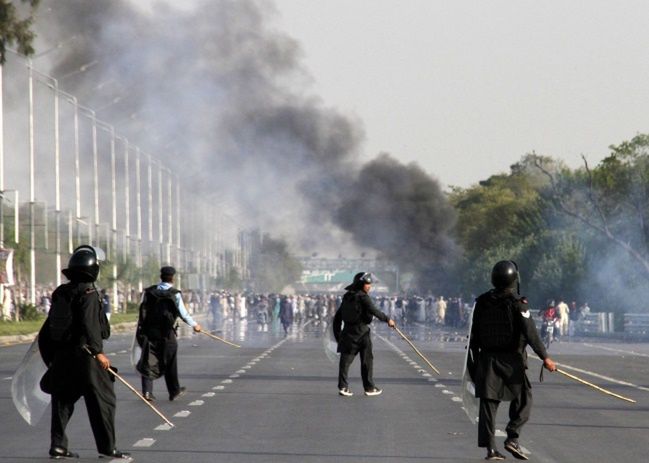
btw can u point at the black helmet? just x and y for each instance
(504, 274)
(84, 264)
(360, 279)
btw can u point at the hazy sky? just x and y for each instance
(465, 88)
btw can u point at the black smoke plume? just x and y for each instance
(221, 96)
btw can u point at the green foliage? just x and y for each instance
(16, 30)
(578, 234)
(29, 312)
(506, 217)
(9, 328)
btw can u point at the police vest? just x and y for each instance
(495, 322)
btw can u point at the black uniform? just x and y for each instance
(502, 328)
(159, 347)
(74, 373)
(355, 338)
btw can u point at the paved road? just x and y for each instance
(275, 400)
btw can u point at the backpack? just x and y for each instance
(350, 309)
(496, 322)
(57, 331)
(158, 312)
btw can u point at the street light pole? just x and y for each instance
(160, 221)
(32, 234)
(2, 165)
(138, 189)
(127, 201)
(178, 252)
(170, 226)
(150, 201)
(57, 171)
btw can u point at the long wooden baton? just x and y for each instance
(594, 386)
(219, 339)
(416, 350)
(125, 383)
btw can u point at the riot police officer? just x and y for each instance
(71, 343)
(357, 311)
(502, 328)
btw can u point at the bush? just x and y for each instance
(28, 312)
(132, 307)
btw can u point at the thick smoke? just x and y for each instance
(221, 97)
(401, 211)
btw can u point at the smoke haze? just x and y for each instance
(221, 97)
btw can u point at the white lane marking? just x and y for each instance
(163, 427)
(218, 388)
(122, 352)
(183, 414)
(432, 380)
(146, 442)
(240, 372)
(499, 433)
(426, 375)
(112, 354)
(8, 378)
(233, 376)
(246, 367)
(226, 381)
(621, 351)
(456, 399)
(196, 403)
(208, 394)
(446, 391)
(439, 385)
(597, 375)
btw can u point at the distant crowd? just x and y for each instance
(286, 309)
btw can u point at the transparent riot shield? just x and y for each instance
(26, 392)
(470, 403)
(136, 352)
(330, 345)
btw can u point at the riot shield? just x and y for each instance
(26, 392)
(329, 344)
(470, 403)
(136, 352)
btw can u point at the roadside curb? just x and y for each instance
(28, 338)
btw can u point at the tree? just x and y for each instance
(612, 199)
(16, 30)
(506, 217)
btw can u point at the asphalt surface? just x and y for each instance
(275, 400)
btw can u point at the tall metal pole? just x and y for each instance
(95, 178)
(2, 170)
(127, 201)
(138, 189)
(113, 250)
(178, 259)
(160, 220)
(32, 234)
(2, 166)
(150, 201)
(57, 181)
(77, 173)
(170, 226)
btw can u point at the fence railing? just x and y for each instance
(602, 324)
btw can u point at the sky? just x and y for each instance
(465, 88)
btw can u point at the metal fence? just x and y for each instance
(635, 326)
